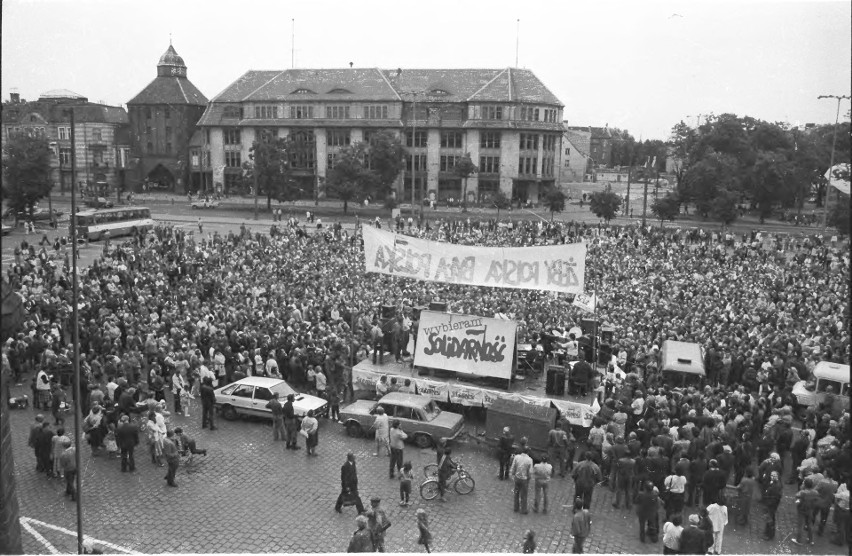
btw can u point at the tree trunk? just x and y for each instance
(345, 206)
(464, 196)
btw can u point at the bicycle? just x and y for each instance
(463, 483)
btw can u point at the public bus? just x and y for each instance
(118, 221)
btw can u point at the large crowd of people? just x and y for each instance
(165, 310)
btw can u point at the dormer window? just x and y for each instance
(233, 112)
(439, 92)
(340, 92)
(303, 92)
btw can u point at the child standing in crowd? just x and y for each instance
(405, 478)
(110, 443)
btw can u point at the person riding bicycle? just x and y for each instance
(446, 467)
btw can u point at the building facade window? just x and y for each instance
(168, 147)
(97, 135)
(550, 115)
(303, 153)
(528, 142)
(267, 135)
(548, 143)
(530, 114)
(233, 112)
(338, 137)
(64, 132)
(168, 131)
(147, 112)
(301, 112)
(331, 160)
(98, 157)
(231, 135)
(375, 112)
(527, 165)
(149, 148)
(337, 112)
(489, 164)
(266, 112)
(547, 167)
(449, 162)
(487, 189)
(451, 139)
(168, 113)
(232, 181)
(368, 135)
(64, 157)
(419, 162)
(416, 138)
(489, 140)
(233, 159)
(492, 112)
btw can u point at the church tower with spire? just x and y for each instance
(163, 118)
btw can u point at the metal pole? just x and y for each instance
(75, 340)
(627, 204)
(645, 200)
(413, 158)
(254, 173)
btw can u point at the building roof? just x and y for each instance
(60, 93)
(364, 84)
(582, 140)
(170, 90)
(596, 132)
(171, 58)
(52, 112)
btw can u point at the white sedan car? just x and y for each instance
(204, 203)
(249, 396)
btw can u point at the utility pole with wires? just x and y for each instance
(831, 163)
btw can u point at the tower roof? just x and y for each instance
(171, 58)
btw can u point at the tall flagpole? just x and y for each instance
(75, 340)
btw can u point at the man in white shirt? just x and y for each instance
(382, 428)
(272, 367)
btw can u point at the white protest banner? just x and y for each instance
(586, 302)
(438, 391)
(559, 268)
(466, 344)
(577, 413)
(466, 395)
(364, 380)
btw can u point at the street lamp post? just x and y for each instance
(831, 163)
(75, 341)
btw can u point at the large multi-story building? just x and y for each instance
(163, 118)
(100, 134)
(505, 119)
(600, 143)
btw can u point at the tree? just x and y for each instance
(555, 202)
(26, 172)
(500, 201)
(272, 166)
(349, 178)
(709, 176)
(605, 204)
(666, 208)
(463, 169)
(387, 160)
(724, 206)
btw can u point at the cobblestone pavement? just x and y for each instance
(251, 495)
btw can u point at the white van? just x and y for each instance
(812, 392)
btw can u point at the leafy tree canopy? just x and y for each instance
(26, 172)
(605, 204)
(555, 202)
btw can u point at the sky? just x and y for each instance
(641, 66)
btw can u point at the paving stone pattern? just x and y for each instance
(251, 495)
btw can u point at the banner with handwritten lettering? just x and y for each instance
(433, 389)
(559, 268)
(466, 344)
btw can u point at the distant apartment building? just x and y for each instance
(600, 143)
(100, 133)
(505, 119)
(577, 162)
(163, 118)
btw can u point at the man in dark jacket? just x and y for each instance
(349, 485)
(291, 424)
(798, 451)
(208, 403)
(714, 483)
(807, 500)
(692, 539)
(586, 475)
(127, 438)
(771, 499)
(504, 452)
(647, 510)
(43, 448)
